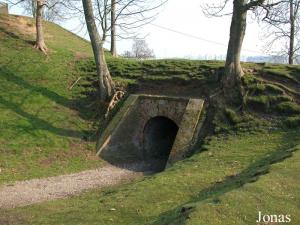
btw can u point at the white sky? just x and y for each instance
(187, 18)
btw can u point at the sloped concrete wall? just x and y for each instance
(122, 141)
(187, 133)
(116, 139)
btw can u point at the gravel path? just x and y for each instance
(28, 192)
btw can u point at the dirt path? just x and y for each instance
(28, 192)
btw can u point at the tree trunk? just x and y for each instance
(292, 33)
(106, 84)
(113, 47)
(40, 42)
(33, 8)
(232, 85)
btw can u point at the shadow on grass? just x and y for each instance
(11, 77)
(14, 36)
(78, 104)
(251, 174)
(40, 124)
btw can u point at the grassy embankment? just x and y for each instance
(45, 128)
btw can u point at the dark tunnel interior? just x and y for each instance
(158, 138)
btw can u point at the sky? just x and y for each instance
(206, 36)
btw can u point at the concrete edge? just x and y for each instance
(198, 125)
(179, 149)
(114, 123)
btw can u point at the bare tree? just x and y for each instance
(53, 11)
(29, 7)
(283, 28)
(127, 54)
(42, 9)
(113, 47)
(57, 10)
(37, 7)
(231, 80)
(106, 84)
(130, 15)
(140, 50)
(40, 41)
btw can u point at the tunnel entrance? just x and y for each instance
(148, 127)
(158, 138)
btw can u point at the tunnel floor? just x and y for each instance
(158, 138)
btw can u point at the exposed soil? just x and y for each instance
(28, 192)
(23, 26)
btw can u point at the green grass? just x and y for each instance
(182, 77)
(229, 183)
(270, 97)
(45, 128)
(287, 72)
(250, 163)
(288, 108)
(293, 121)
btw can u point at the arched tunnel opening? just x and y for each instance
(158, 138)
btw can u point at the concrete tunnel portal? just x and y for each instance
(151, 128)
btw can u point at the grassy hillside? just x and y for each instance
(249, 162)
(45, 128)
(48, 129)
